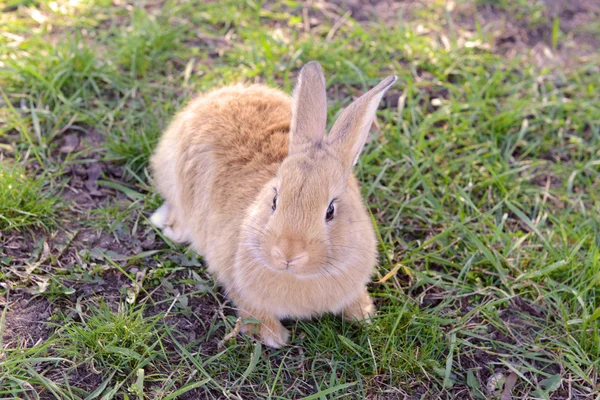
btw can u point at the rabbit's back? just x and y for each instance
(244, 125)
(217, 155)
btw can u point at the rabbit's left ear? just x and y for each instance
(309, 109)
(349, 133)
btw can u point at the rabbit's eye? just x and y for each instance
(330, 211)
(274, 206)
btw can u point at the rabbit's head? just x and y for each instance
(308, 221)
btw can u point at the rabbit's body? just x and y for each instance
(221, 166)
(214, 159)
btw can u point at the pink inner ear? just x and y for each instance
(349, 133)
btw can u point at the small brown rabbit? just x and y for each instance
(251, 181)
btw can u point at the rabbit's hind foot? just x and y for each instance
(164, 219)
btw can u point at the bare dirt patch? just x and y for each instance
(515, 33)
(83, 190)
(387, 11)
(25, 324)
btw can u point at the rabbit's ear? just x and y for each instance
(349, 133)
(309, 110)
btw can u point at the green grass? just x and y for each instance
(120, 341)
(25, 201)
(483, 181)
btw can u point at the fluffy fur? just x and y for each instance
(249, 179)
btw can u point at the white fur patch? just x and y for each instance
(159, 217)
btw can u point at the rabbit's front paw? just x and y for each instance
(271, 332)
(362, 309)
(274, 335)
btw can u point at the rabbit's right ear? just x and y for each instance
(309, 109)
(349, 133)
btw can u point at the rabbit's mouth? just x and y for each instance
(288, 262)
(293, 272)
(302, 271)
(297, 266)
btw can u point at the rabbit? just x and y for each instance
(250, 180)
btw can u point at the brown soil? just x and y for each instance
(387, 11)
(517, 36)
(512, 35)
(25, 324)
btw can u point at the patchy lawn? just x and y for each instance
(483, 176)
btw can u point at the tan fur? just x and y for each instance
(220, 164)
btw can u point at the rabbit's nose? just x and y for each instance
(287, 256)
(289, 262)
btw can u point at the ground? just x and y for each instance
(482, 174)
